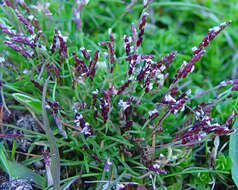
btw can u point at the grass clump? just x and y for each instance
(112, 113)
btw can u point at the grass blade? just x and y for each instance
(233, 151)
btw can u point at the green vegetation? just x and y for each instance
(69, 121)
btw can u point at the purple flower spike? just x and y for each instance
(156, 168)
(80, 66)
(111, 51)
(124, 86)
(104, 106)
(128, 186)
(96, 158)
(192, 139)
(213, 32)
(127, 45)
(153, 114)
(134, 37)
(112, 39)
(141, 29)
(111, 56)
(59, 42)
(134, 60)
(87, 129)
(231, 82)
(37, 85)
(85, 53)
(19, 49)
(56, 107)
(188, 67)
(8, 30)
(94, 97)
(77, 19)
(46, 157)
(167, 60)
(107, 165)
(92, 65)
(28, 25)
(146, 3)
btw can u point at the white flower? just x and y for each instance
(95, 92)
(194, 49)
(30, 17)
(155, 111)
(2, 59)
(162, 68)
(86, 129)
(169, 98)
(105, 186)
(214, 29)
(123, 105)
(119, 186)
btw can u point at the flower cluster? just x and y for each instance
(59, 42)
(156, 168)
(204, 126)
(87, 129)
(56, 108)
(77, 20)
(127, 109)
(198, 52)
(22, 43)
(109, 99)
(111, 51)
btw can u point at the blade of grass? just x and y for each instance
(16, 170)
(54, 152)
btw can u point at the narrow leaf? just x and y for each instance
(233, 151)
(29, 101)
(16, 170)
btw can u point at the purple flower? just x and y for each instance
(123, 105)
(146, 3)
(192, 139)
(56, 107)
(153, 114)
(107, 165)
(80, 66)
(87, 129)
(96, 158)
(28, 25)
(85, 53)
(94, 97)
(46, 157)
(127, 45)
(156, 168)
(167, 60)
(92, 64)
(124, 86)
(19, 49)
(37, 85)
(104, 106)
(59, 42)
(213, 32)
(141, 29)
(77, 20)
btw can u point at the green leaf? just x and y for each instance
(29, 101)
(16, 170)
(233, 151)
